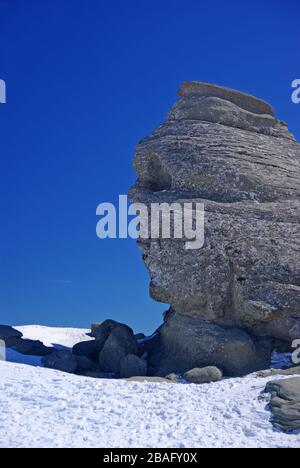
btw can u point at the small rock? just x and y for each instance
(132, 365)
(270, 372)
(203, 375)
(94, 328)
(62, 360)
(149, 379)
(173, 377)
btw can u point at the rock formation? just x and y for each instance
(13, 339)
(232, 298)
(285, 403)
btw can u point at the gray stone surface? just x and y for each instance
(62, 360)
(227, 107)
(9, 335)
(90, 349)
(173, 377)
(131, 366)
(285, 403)
(103, 331)
(270, 372)
(242, 100)
(139, 336)
(227, 150)
(150, 379)
(31, 347)
(185, 342)
(13, 339)
(203, 375)
(119, 343)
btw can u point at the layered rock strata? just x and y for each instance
(232, 298)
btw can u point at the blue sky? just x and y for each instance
(86, 80)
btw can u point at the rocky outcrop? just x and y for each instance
(31, 347)
(233, 297)
(13, 339)
(285, 403)
(114, 350)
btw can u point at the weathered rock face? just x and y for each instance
(226, 150)
(285, 403)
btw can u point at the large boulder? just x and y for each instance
(203, 375)
(226, 150)
(184, 343)
(103, 331)
(13, 339)
(62, 360)
(9, 335)
(31, 347)
(285, 403)
(90, 349)
(119, 343)
(132, 365)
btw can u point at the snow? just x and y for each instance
(59, 338)
(51, 336)
(47, 408)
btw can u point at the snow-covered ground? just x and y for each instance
(52, 336)
(46, 408)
